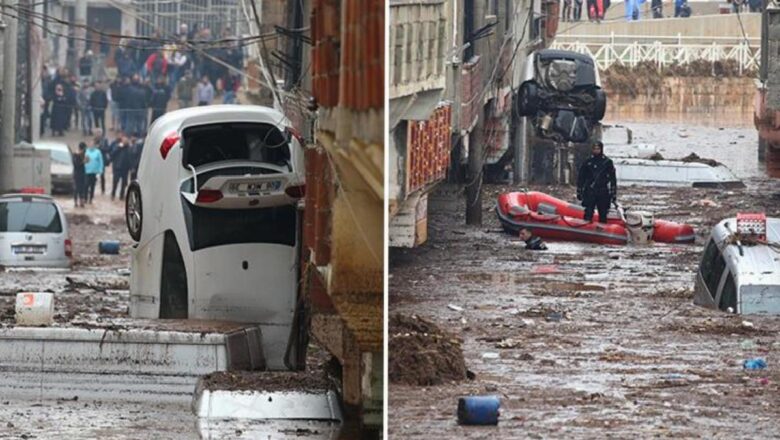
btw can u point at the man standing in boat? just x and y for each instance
(597, 184)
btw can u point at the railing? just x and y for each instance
(630, 50)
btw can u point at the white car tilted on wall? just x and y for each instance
(215, 213)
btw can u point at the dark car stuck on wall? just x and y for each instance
(563, 103)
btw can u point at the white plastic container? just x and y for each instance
(640, 226)
(34, 308)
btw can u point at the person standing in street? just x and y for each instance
(102, 144)
(205, 91)
(159, 99)
(79, 178)
(121, 160)
(59, 111)
(84, 99)
(98, 101)
(92, 168)
(184, 89)
(597, 183)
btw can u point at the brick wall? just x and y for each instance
(429, 149)
(471, 86)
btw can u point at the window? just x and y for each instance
(728, 298)
(206, 144)
(209, 227)
(29, 217)
(712, 266)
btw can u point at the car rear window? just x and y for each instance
(209, 227)
(29, 217)
(211, 143)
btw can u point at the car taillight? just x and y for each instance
(32, 190)
(208, 196)
(168, 143)
(296, 192)
(68, 248)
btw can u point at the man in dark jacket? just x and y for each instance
(136, 100)
(597, 184)
(532, 242)
(159, 99)
(98, 101)
(101, 142)
(121, 160)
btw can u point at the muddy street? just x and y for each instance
(586, 340)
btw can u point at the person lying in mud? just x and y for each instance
(532, 242)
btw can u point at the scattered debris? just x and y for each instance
(748, 344)
(423, 354)
(506, 343)
(455, 308)
(754, 364)
(478, 410)
(490, 355)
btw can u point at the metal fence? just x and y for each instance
(630, 50)
(167, 15)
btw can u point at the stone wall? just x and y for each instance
(701, 100)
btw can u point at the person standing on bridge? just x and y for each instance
(597, 183)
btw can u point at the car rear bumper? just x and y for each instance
(60, 263)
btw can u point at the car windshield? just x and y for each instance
(208, 227)
(60, 156)
(29, 217)
(255, 142)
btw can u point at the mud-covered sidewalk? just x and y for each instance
(585, 340)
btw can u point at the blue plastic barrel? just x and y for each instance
(108, 247)
(478, 410)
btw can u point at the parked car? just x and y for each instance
(215, 213)
(740, 277)
(33, 232)
(61, 166)
(562, 96)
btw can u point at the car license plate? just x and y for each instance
(28, 249)
(256, 187)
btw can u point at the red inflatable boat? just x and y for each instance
(556, 219)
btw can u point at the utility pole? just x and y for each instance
(474, 176)
(8, 129)
(80, 32)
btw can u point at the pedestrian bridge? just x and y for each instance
(662, 50)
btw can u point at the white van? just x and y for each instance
(33, 232)
(739, 277)
(215, 213)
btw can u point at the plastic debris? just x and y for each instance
(747, 324)
(454, 307)
(478, 410)
(754, 364)
(507, 343)
(554, 317)
(489, 355)
(748, 344)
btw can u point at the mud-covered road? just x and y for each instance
(627, 354)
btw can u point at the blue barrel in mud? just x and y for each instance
(478, 410)
(110, 247)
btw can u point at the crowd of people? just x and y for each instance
(596, 9)
(192, 69)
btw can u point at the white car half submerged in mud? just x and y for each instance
(737, 277)
(215, 214)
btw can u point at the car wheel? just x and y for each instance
(599, 105)
(528, 102)
(134, 211)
